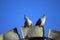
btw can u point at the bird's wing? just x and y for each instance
(28, 20)
(43, 19)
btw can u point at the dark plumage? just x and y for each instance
(16, 31)
(41, 21)
(38, 23)
(28, 22)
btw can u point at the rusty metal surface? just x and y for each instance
(53, 34)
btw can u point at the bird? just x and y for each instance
(28, 22)
(11, 35)
(41, 21)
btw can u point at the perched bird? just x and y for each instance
(11, 35)
(41, 21)
(28, 22)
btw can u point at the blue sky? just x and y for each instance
(12, 13)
